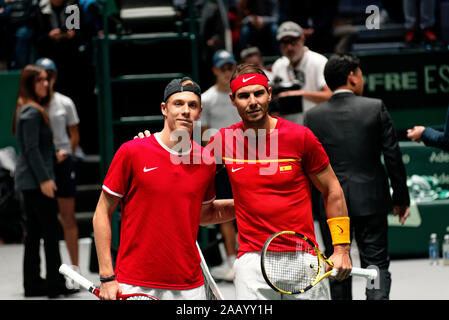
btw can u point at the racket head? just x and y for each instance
(290, 262)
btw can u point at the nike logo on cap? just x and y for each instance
(149, 169)
(244, 80)
(236, 169)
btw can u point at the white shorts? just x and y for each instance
(250, 284)
(166, 294)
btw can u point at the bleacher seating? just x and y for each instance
(146, 16)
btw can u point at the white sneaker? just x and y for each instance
(229, 275)
(222, 272)
(225, 271)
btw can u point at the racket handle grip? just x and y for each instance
(72, 274)
(359, 272)
(366, 273)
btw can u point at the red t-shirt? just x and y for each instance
(160, 211)
(269, 179)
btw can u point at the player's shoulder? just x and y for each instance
(137, 144)
(291, 130)
(287, 125)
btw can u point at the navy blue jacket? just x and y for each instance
(434, 138)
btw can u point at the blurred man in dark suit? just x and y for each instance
(355, 131)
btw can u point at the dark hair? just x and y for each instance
(245, 68)
(27, 94)
(338, 68)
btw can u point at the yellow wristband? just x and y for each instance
(340, 231)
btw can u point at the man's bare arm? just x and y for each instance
(334, 202)
(217, 211)
(329, 186)
(102, 233)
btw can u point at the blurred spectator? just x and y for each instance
(344, 36)
(91, 26)
(219, 30)
(316, 17)
(253, 55)
(425, 10)
(298, 78)
(212, 29)
(218, 112)
(52, 25)
(355, 132)
(431, 137)
(259, 25)
(91, 19)
(34, 177)
(18, 20)
(57, 42)
(212, 33)
(64, 126)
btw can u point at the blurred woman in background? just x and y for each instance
(34, 177)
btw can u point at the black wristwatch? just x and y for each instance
(107, 279)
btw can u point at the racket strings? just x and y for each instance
(138, 297)
(208, 287)
(290, 264)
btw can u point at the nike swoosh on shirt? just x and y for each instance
(237, 169)
(244, 80)
(149, 169)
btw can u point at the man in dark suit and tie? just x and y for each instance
(355, 131)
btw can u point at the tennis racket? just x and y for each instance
(212, 290)
(291, 263)
(89, 286)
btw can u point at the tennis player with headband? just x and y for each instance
(265, 204)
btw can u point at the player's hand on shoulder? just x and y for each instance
(142, 135)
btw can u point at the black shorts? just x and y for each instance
(65, 178)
